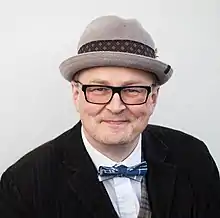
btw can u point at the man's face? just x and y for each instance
(113, 123)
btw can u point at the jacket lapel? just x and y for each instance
(161, 175)
(84, 182)
(83, 178)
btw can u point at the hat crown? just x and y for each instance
(115, 28)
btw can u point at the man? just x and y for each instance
(113, 163)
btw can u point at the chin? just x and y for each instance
(115, 139)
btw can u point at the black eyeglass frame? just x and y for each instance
(115, 89)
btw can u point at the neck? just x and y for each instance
(114, 152)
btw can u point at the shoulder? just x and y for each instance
(38, 174)
(186, 152)
(175, 139)
(183, 149)
(194, 166)
(43, 161)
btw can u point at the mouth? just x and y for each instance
(115, 122)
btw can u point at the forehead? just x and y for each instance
(115, 75)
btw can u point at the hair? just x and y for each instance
(155, 79)
(76, 76)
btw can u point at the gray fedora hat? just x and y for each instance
(114, 41)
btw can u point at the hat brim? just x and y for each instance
(71, 66)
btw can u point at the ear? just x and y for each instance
(153, 99)
(155, 94)
(75, 94)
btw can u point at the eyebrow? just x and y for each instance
(106, 82)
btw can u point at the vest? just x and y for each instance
(145, 211)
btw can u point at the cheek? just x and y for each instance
(83, 107)
(140, 111)
(141, 115)
(89, 110)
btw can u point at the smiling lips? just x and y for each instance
(115, 122)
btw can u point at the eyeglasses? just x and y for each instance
(103, 94)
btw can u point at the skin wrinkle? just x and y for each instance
(116, 141)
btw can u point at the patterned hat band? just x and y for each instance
(127, 46)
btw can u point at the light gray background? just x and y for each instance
(35, 36)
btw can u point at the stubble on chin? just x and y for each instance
(108, 136)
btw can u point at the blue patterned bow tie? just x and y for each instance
(135, 172)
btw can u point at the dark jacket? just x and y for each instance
(59, 180)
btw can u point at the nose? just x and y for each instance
(116, 105)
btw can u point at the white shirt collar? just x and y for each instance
(99, 159)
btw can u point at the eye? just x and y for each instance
(133, 90)
(98, 89)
